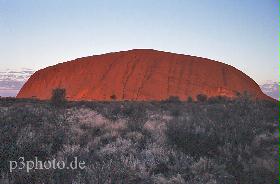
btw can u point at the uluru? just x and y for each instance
(140, 74)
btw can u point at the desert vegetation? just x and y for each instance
(213, 141)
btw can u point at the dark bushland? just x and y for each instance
(214, 140)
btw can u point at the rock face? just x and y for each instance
(140, 74)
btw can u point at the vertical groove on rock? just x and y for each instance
(129, 73)
(124, 78)
(181, 76)
(188, 82)
(105, 74)
(147, 76)
(168, 77)
(224, 72)
(141, 85)
(152, 68)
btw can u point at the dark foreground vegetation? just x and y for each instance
(212, 141)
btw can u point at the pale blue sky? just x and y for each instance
(243, 33)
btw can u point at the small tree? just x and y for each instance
(113, 97)
(58, 97)
(201, 97)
